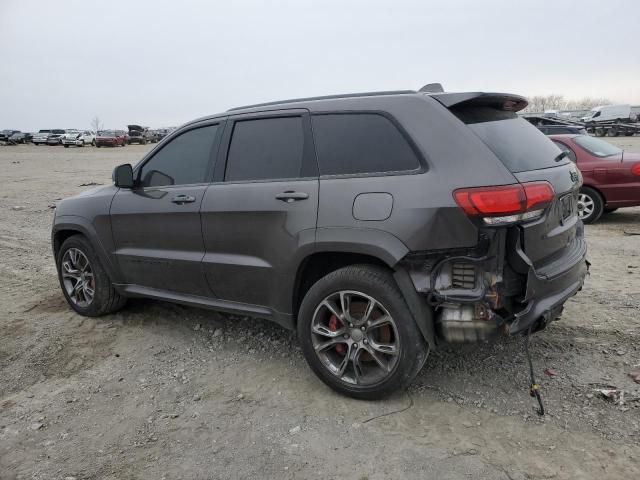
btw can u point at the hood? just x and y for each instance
(136, 128)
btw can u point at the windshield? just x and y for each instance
(57, 132)
(597, 147)
(107, 133)
(44, 131)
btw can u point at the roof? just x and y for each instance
(325, 97)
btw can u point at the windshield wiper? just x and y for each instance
(562, 155)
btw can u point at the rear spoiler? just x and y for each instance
(499, 101)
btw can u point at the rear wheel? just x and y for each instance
(358, 335)
(84, 281)
(613, 132)
(590, 205)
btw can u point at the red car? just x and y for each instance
(111, 138)
(611, 176)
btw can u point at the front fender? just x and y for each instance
(98, 233)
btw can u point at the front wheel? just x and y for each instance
(357, 333)
(590, 205)
(84, 281)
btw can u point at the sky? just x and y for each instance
(162, 63)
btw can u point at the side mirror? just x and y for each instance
(123, 176)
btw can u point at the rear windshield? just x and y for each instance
(597, 147)
(518, 144)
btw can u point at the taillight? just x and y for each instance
(636, 169)
(505, 203)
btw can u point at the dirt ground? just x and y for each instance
(160, 391)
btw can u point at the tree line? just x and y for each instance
(540, 103)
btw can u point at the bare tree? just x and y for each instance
(586, 103)
(541, 103)
(96, 124)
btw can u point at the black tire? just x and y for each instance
(612, 132)
(600, 132)
(98, 146)
(93, 143)
(610, 210)
(628, 134)
(105, 299)
(597, 202)
(81, 143)
(378, 284)
(66, 146)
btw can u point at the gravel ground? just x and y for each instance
(161, 391)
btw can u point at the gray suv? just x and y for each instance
(377, 225)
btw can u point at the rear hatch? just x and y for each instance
(531, 157)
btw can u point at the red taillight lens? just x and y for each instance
(538, 194)
(491, 200)
(636, 169)
(505, 199)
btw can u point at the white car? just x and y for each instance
(79, 138)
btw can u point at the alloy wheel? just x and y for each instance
(355, 338)
(586, 206)
(77, 277)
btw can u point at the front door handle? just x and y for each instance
(291, 196)
(182, 199)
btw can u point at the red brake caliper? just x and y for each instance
(333, 326)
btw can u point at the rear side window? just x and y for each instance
(519, 145)
(266, 148)
(351, 143)
(182, 161)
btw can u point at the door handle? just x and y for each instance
(291, 196)
(182, 199)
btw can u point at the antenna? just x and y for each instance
(432, 88)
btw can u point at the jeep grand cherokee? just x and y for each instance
(378, 225)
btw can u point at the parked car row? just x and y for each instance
(79, 138)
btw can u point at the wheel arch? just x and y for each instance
(68, 225)
(602, 195)
(319, 264)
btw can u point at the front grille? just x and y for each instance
(463, 275)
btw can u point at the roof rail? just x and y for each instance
(327, 97)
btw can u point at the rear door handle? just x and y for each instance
(291, 196)
(182, 199)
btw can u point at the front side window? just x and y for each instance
(356, 143)
(183, 161)
(266, 148)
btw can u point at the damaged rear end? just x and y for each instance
(531, 253)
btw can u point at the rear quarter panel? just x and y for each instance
(424, 214)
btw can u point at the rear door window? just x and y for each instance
(357, 143)
(266, 149)
(519, 145)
